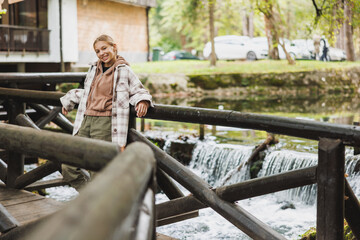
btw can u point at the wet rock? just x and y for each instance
(182, 151)
(287, 205)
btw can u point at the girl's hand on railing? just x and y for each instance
(141, 108)
(64, 111)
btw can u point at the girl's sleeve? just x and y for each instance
(71, 98)
(137, 92)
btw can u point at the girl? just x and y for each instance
(103, 113)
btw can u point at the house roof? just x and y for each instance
(142, 3)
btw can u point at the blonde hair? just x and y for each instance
(106, 38)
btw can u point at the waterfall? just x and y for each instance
(215, 161)
(286, 160)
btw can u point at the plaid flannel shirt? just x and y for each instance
(127, 90)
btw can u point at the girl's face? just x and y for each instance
(106, 53)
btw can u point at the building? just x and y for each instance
(33, 40)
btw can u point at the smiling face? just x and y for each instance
(105, 52)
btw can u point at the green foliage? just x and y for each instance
(184, 24)
(65, 87)
(331, 16)
(311, 233)
(2, 11)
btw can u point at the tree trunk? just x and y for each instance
(272, 37)
(245, 23)
(251, 23)
(290, 60)
(212, 32)
(349, 43)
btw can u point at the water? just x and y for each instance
(290, 212)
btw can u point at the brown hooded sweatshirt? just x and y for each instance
(99, 102)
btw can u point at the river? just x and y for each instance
(290, 212)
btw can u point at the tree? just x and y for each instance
(349, 46)
(338, 20)
(274, 31)
(212, 32)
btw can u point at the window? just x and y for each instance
(28, 13)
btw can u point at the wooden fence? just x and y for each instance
(333, 188)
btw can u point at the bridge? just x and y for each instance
(120, 202)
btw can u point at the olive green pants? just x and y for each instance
(91, 127)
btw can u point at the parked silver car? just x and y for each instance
(232, 47)
(291, 48)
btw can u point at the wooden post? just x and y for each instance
(213, 130)
(16, 159)
(201, 131)
(352, 210)
(142, 126)
(331, 189)
(356, 149)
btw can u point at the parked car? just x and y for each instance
(178, 55)
(305, 48)
(291, 48)
(307, 45)
(232, 47)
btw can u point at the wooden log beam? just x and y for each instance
(352, 210)
(350, 135)
(172, 192)
(331, 190)
(36, 174)
(81, 152)
(53, 113)
(76, 77)
(233, 213)
(242, 190)
(59, 120)
(23, 120)
(7, 222)
(177, 218)
(3, 171)
(31, 96)
(167, 185)
(46, 184)
(111, 214)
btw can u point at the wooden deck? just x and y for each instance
(25, 206)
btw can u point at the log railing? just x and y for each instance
(99, 199)
(329, 174)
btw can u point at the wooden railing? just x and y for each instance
(333, 188)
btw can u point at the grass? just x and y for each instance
(262, 66)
